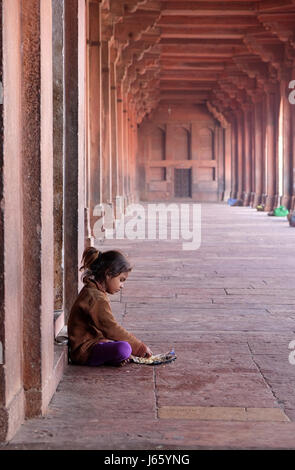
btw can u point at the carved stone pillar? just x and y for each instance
(106, 144)
(58, 161)
(228, 157)
(293, 146)
(12, 394)
(114, 127)
(240, 153)
(258, 148)
(271, 146)
(285, 142)
(125, 150)
(234, 159)
(37, 174)
(247, 160)
(93, 167)
(120, 185)
(73, 190)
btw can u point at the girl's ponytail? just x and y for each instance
(97, 264)
(89, 257)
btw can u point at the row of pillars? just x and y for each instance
(111, 124)
(262, 149)
(42, 196)
(69, 146)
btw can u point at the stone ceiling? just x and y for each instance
(222, 53)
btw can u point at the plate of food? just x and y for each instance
(155, 359)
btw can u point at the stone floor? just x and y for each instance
(228, 310)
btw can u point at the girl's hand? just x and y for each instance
(148, 352)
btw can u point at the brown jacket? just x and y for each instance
(91, 321)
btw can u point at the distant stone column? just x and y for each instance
(114, 127)
(247, 166)
(240, 153)
(120, 186)
(227, 160)
(258, 148)
(234, 159)
(286, 140)
(131, 152)
(93, 159)
(271, 146)
(293, 144)
(125, 150)
(219, 169)
(106, 143)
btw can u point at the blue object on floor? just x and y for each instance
(231, 202)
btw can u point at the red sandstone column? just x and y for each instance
(106, 148)
(38, 240)
(120, 143)
(228, 159)
(240, 153)
(131, 149)
(219, 161)
(73, 191)
(247, 166)
(286, 141)
(293, 145)
(58, 161)
(125, 151)
(271, 145)
(114, 131)
(82, 231)
(132, 154)
(234, 159)
(258, 149)
(264, 150)
(93, 166)
(12, 401)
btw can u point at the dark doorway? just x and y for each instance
(183, 182)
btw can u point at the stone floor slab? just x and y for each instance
(228, 310)
(222, 413)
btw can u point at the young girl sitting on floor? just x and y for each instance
(95, 338)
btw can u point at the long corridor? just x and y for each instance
(228, 310)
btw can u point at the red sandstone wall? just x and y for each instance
(11, 386)
(180, 137)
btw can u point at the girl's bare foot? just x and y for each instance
(123, 363)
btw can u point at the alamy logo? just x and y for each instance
(150, 222)
(1, 353)
(292, 94)
(292, 353)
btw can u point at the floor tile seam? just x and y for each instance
(156, 398)
(268, 385)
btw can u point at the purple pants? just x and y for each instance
(109, 353)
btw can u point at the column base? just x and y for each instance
(286, 201)
(233, 194)
(226, 196)
(12, 416)
(257, 200)
(252, 199)
(246, 199)
(270, 203)
(277, 201)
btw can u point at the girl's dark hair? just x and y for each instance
(98, 264)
